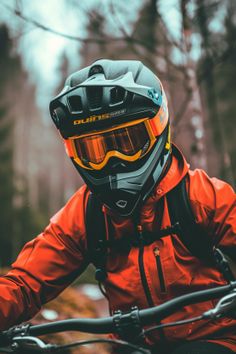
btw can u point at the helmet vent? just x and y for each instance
(94, 95)
(117, 95)
(75, 103)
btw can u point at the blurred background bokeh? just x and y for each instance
(190, 44)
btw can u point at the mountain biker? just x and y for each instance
(113, 118)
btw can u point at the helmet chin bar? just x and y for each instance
(124, 192)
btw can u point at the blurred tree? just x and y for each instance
(150, 41)
(6, 158)
(211, 52)
(18, 220)
(96, 30)
(225, 73)
(147, 36)
(6, 187)
(198, 149)
(197, 128)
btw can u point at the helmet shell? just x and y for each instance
(106, 94)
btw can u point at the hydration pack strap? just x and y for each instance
(96, 236)
(98, 243)
(193, 236)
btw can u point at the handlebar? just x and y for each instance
(122, 323)
(107, 324)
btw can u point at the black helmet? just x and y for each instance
(114, 120)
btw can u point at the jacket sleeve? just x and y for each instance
(46, 265)
(214, 205)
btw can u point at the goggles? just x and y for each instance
(128, 141)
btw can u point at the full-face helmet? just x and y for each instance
(113, 118)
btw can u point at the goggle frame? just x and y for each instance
(72, 151)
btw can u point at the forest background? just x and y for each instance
(190, 44)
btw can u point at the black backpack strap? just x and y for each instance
(193, 236)
(96, 236)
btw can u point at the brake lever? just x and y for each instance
(223, 306)
(33, 342)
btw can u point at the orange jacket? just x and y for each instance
(166, 269)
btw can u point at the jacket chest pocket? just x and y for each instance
(173, 272)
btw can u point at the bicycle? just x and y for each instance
(129, 326)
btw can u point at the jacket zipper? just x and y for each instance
(156, 252)
(144, 279)
(141, 268)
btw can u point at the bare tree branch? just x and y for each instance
(134, 43)
(106, 39)
(117, 19)
(43, 27)
(23, 33)
(51, 30)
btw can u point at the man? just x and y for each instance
(113, 119)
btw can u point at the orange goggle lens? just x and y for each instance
(128, 142)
